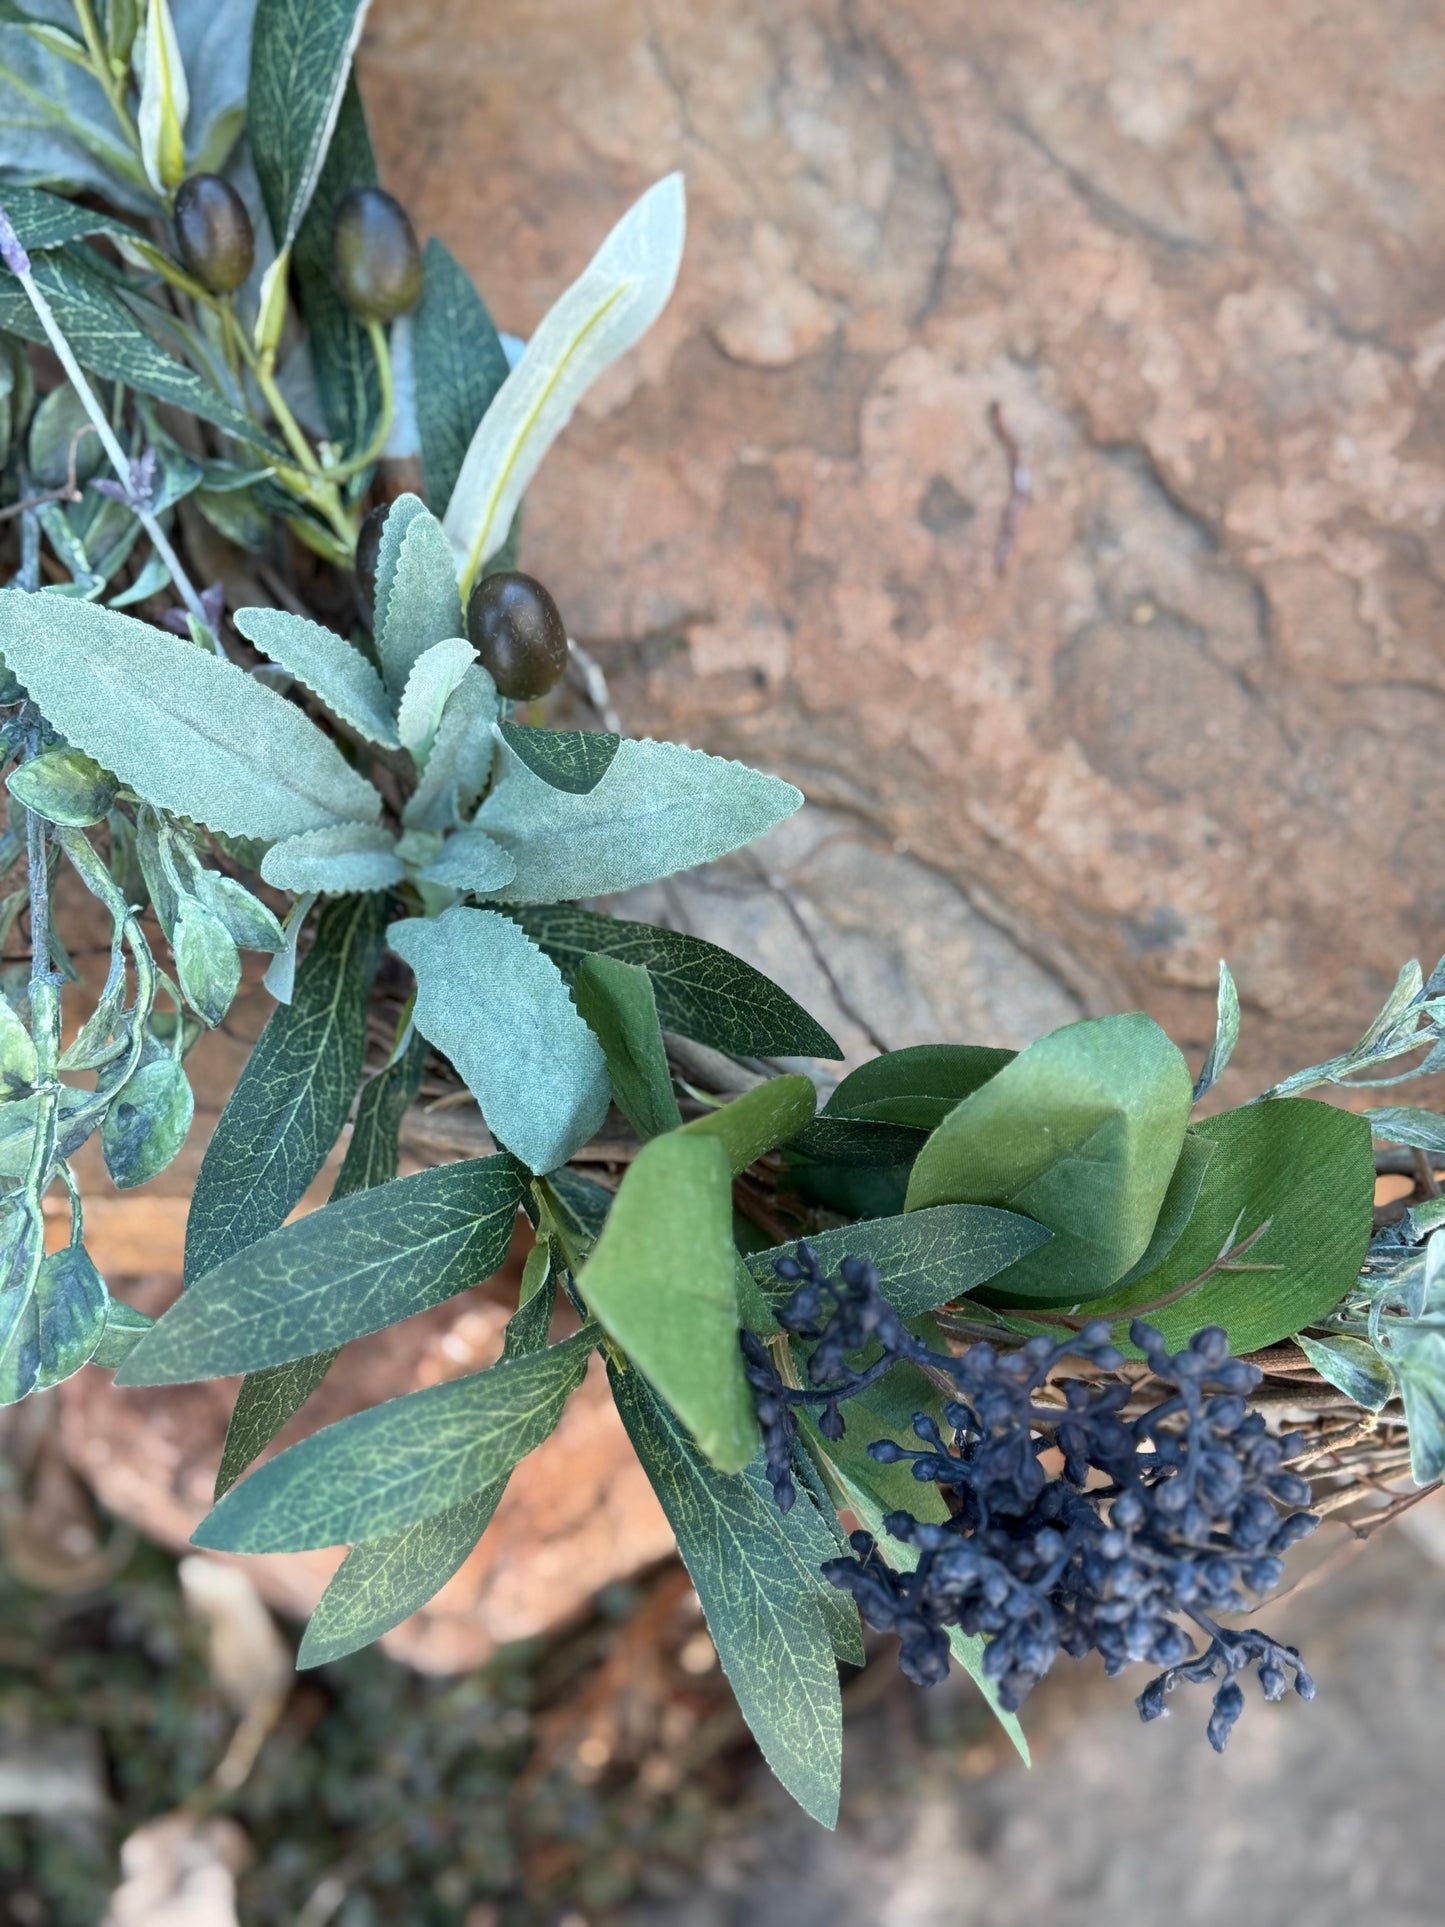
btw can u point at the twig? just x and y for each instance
(1021, 488)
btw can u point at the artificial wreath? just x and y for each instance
(1076, 1364)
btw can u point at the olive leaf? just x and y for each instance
(328, 666)
(491, 1002)
(460, 365)
(575, 760)
(187, 731)
(617, 298)
(1352, 1366)
(50, 1330)
(469, 860)
(616, 1001)
(660, 1281)
(433, 676)
(357, 1265)
(1408, 1124)
(250, 923)
(416, 593)
(300, 59)
(761, 1611)
(337, 860)
(382, 1470)
(659, 809)
(208, 964)
(702, 991)
(1081, 1131)
(1226, 1033)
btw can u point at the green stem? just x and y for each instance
(105, 75)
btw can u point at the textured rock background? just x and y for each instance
(1195, 252)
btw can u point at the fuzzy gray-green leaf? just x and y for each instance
(420, 605)
(328, 666)
(338, 860)
(380, 1471)
(187, 731)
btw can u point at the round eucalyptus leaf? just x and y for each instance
(64, 786)
(147, 1122)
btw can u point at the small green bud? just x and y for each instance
(64, 786)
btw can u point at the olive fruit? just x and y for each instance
(213, 232)
(368, 549)
(376, 259)
(518, 633)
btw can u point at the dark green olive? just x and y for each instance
(368, 549)
(213, 232)
(376, 259)
(518, 633)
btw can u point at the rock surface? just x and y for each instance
(1194, 256)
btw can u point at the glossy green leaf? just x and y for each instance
(353, 1267)
(300, 59)
(575, 760)
(433, 676)
(924, 1258)
(342, 858)
(1352, 1366)
(759, 1120)
(460, 365)
(187, 731)
(293, 1096)
(615, 999)
(1081, 1131)
(341, 354)
(109, 341)
(917, 1086)
(329, 667)
(469, 860)
(660, 808)
(267, 1402)
(376, 1473)
(660, 1281)
(381, 1582)
(147, 1122)
(417, 605)
(63, 786)
(815, 1538)
(616, 299)
(763, 1615)
(702, 991)
(492, 1003)
(1303, 1167)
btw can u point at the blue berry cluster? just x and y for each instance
(1175, 1515)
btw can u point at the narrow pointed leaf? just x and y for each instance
(660, 1280)
(499, 1009)
(420, 606)
(575, 760)
(659, 809)
(1352, 1366)
(380, 1471)
(187, 731)
(616, 1001)
(702, 991)
(300, 59)
(1226, 1033)
(460, 365)
(342, 358)
(761, 1612)
(328, 666)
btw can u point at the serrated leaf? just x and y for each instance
(617, 298)
(109, 341)
(147, 1122)
(376, 1473)
(460, 365)
(469, 860)
(1226, 1033)
(293, 1096)
(1082, 1131)
(433, 676)
(702, 991)
(660, 1281)
(384, 1581)
(492, 1003)
(1305, 1169)
(338, 860)
(300, 58)
(1352, 1366)
(575, 760)
(917, 1086)
(341, 356)
(615, 1000)
(659, 809)
(417, 604)
(353, 1267)
(328, 666)
(762, 1614)
(187, 731)
(759, 1120)
(924, 1258)
(461, 757)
